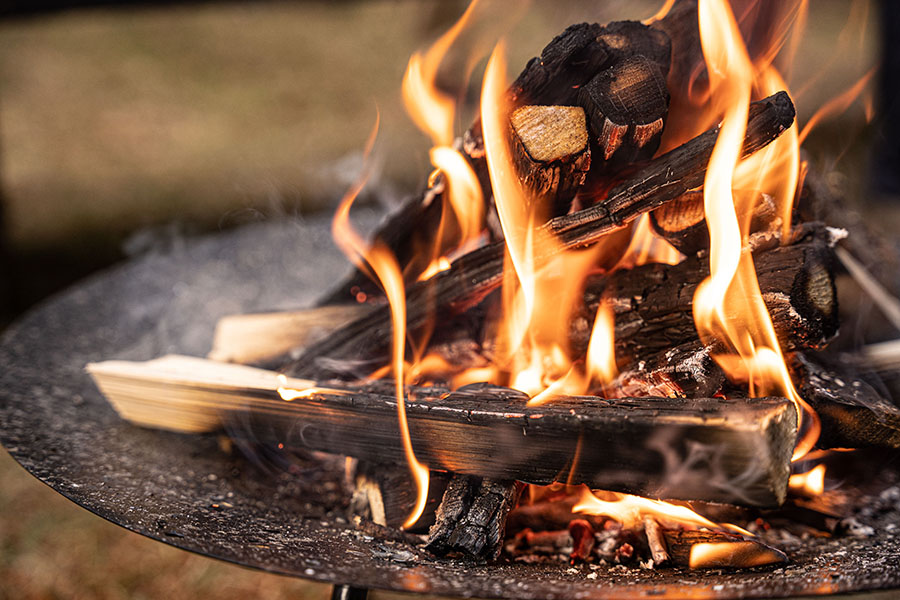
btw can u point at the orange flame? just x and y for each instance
(811, 483)
(630, 511)
(728, 306)
(538, 298)
(383, 264)
(433, 111)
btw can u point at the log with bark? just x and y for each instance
(471, 277)
(715, 449)
(471, 520)
(653, 303)
(852, 412)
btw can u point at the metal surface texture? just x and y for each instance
(185, 491)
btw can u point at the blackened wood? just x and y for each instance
(687, 370)
(471, 519)
(852, 412)
(734, 551)
(682, 222)
(489, 432)
(551, 150)
(580, 52)
(472, 276)
(653, 303)
(626, 107)
(646, 446)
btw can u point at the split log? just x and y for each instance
(551, 150)
(653, 303)
(481, 430)
(472, 276)
(627, 106)
(256, 338)
(471, 519)
(703, 549)
(853, 414)
(386, 494)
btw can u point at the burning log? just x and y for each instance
(653, 302)
(471, 520)
(472, 276)
(550, 146)
(715, 449)
(627, 106)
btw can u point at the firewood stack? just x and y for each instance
(589, 114)
(585, 124)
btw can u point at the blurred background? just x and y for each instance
(125, 127)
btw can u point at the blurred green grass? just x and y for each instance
(111, 121)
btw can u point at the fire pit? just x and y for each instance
(183, 490)
(620, 319)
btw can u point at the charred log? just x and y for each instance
(653, 303)
(853, 414)
(471, 519)
(626, 106)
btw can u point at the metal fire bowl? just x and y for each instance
(185, 491)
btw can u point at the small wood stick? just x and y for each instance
(655, 541)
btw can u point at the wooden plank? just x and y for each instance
(715, 449)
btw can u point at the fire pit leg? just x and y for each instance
(348, 592)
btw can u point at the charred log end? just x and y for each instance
(569, 60)
(852, 413)
(471, 520)
(551, 150)
(804, 308)
(681, 222)
(630, 96)
(770, 117)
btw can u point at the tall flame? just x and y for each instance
(728, 306)
(434, 112)
(379, 261)
(539, 297)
